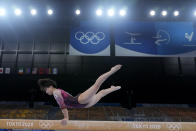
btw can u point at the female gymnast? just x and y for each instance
(83, 100)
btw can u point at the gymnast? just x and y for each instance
(83, 100)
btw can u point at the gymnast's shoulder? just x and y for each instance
(57, 92)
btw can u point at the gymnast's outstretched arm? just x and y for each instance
(66, 116)
(58, 97)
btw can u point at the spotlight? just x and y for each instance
(176, 13)
(18, 12)
(152, 13)
(33, 12)
(77, 12)
(2, 12)
(99, 12)
(195, 13)
(50, 12)
(122, 12)
(111, 12)
(164, 13)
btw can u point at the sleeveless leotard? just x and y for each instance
(69, 101)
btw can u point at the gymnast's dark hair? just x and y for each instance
(45, 83)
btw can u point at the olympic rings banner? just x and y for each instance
(155, 39)
(90, 38)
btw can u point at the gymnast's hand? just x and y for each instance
(64, 122)
(116, 68)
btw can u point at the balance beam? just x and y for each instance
(78, 125)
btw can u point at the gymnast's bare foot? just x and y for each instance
(115, 88)
(116, 68)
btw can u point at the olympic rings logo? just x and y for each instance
(89, 37)
(46, 124)
(174, 126)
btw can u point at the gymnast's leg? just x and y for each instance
(94, 99)
(86, 96)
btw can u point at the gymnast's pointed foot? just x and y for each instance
(116, 68)
(115, 88)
